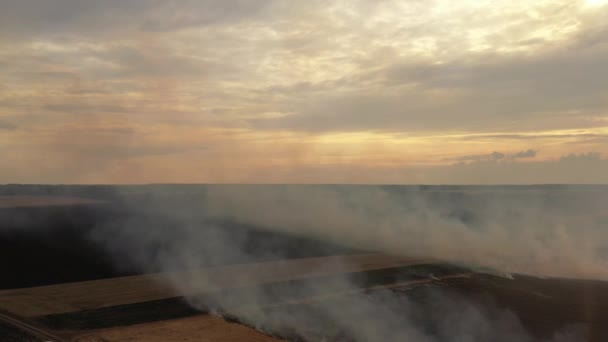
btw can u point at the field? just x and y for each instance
(63, 286)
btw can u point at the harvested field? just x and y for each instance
(542, 305)
(200, 328)
(72, 297)
(61, 283)
(11, 333)
(73, 309)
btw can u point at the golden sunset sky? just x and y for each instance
(411, 91)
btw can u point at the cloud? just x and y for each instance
(583, 168)
(365, 84)
(86, 17)
(583, 157)
(583, 135)
(326, 88)
(525, 154)
(473, 94)
(496, 157)
(7, 126)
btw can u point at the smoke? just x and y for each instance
(416, 314)
(434, 315)
(536, 231)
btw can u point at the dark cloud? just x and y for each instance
(82, 108)
(494, 157)
(525, 154)
(515, 136)
(187, 13)
(582, 157)
(31, 17)
(7, 126)
(85, 17)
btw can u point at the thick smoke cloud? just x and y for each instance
(535, 231)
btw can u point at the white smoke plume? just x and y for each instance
(536, 231)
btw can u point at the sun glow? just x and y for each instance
(595, 3)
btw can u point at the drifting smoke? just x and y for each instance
(542, 233)
(534, 231)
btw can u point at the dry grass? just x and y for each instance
(201, 328)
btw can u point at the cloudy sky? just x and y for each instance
(403, 91)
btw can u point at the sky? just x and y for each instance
(247, 91)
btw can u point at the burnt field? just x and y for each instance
(48, 245)
(48, 238)
(523, 309)
(96, 263)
